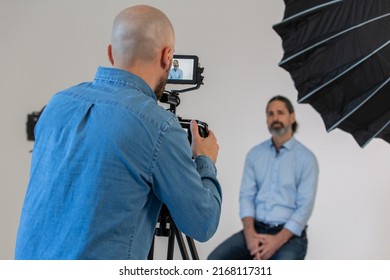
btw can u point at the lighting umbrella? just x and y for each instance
(338, 55)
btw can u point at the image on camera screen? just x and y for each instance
(183, 70)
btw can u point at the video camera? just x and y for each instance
(202, 126)
(185, 70)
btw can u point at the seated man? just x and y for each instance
(277, 194)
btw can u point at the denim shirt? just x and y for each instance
(105, 158)
(279, 187)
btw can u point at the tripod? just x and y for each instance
(172, 232)
(165, 219)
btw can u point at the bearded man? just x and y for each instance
(277, 194)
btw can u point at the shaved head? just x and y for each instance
(139, 33)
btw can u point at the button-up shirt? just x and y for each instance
(279, 187)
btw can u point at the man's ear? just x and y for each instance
(109, 52)
(166, 58)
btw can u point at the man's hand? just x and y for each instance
(253, 242)
(203, 146)
(270, 244)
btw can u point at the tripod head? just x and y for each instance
(164, 220)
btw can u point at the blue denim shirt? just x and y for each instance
(279, 187)
(106, 157)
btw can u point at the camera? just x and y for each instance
(33, 118)
(202, 127)
(185, 70)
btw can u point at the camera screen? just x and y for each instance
(183, 70)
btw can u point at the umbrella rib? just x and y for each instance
(341, 74)
(376, 134)
(360, 105)
(331, 37)
(309, 10)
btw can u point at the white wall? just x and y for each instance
(48, 45)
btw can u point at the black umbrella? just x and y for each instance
(338, 55)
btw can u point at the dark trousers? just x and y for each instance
(234, 248)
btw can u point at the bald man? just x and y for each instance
(106, 157)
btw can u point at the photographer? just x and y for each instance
(106, 157)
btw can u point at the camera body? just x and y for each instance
(33, 118)
(202, 127)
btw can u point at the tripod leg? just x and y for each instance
(171, 244)
(150, 255)
(180, 242)
(173, 232)
(191, 245)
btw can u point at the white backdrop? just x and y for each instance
(49, 45)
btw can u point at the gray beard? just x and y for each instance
(278, 132)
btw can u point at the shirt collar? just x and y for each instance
(288, 145)
(124, 78)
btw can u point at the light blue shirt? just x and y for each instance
(105, 158)
(279, 188)
(175, 74)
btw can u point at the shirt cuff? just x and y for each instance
(294, 227)
(205, 166)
